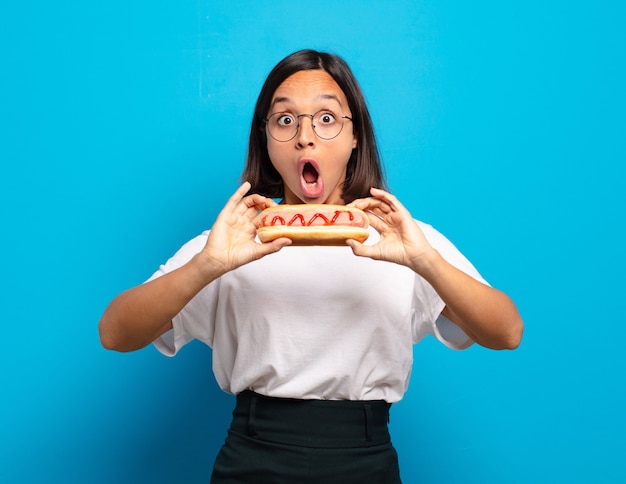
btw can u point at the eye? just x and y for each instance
(326, 118)
(285, 120)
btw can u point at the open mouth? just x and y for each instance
(310, 174)
(310, 181)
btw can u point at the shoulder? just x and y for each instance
(192, 247)
(432, 234)
(183, 255)
(449, 251)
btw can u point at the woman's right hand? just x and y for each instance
(141, 314)
(231, 241)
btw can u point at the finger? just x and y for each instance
(378, 223)
(391, 200)
(373, 205)
(254, 200)
(251, 205)
(255, 207)
(235, 198)
(381, 194)
(361, 250)
(364, 203)
(240, 192)
(258, 202)
(361, 203)
(381, 211)
(355, 245)
(273, 246)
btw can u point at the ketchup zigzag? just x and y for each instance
(278, 220)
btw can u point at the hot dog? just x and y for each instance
(313, 224)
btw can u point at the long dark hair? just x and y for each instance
(364, 168)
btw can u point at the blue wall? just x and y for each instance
(124, 126)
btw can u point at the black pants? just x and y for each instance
(274, 440)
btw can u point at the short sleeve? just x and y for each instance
(173, 340)
(450, 334)
(428, 319)
(182, 331)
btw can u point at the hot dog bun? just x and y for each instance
(313, 224)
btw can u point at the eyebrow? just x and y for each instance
(284, 99)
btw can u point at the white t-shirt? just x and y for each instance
(315, 322)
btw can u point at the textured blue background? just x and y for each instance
(123, 130)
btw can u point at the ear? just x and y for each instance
(354, 141)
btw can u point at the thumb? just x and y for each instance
(357, 247)
(273, 246)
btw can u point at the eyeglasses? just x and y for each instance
(284, 126)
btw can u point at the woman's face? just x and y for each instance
(313, 169)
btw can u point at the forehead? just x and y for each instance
(309, 87)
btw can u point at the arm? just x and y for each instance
(141, 314)
(486, 314)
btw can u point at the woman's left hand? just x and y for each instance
(487, 315)
(401, 239)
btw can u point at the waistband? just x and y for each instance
(312, 423)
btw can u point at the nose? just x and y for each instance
(306, 134)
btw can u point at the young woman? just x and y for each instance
(316, 342)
